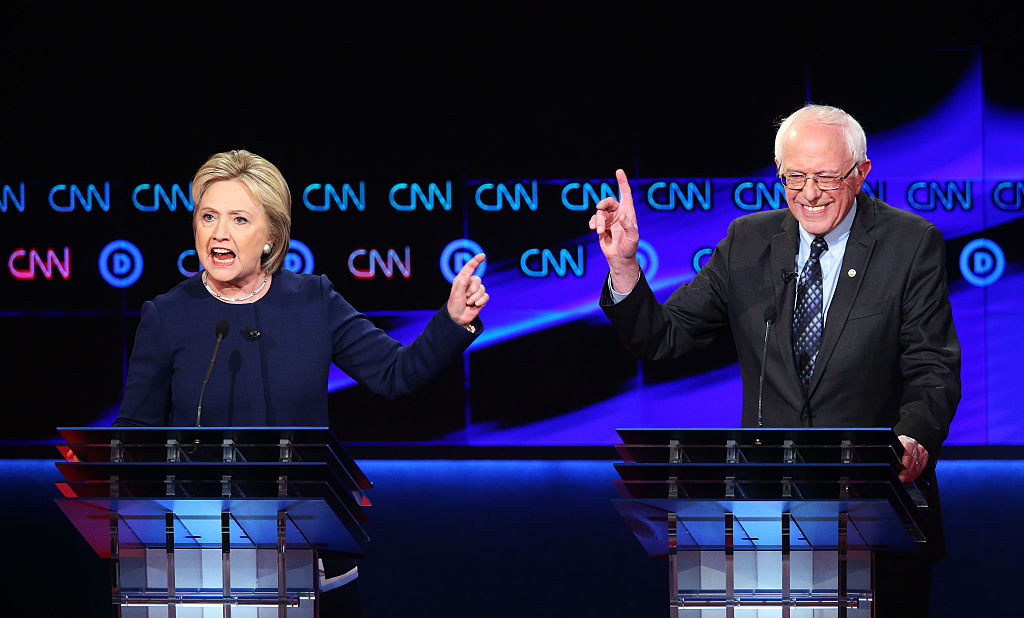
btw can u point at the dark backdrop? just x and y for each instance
(340, 92)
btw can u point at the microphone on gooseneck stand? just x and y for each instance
(222, 331)
(769, 319)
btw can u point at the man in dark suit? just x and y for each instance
(863, 331)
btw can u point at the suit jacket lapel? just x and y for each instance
(858, 252)
(784, 250)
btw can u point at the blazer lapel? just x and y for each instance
(858, 253)
(784, 249)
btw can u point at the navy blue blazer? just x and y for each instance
(280, 377)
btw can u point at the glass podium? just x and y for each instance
(786, 519)
(212, 521)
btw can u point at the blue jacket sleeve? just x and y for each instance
(381, 363)
(147, 390)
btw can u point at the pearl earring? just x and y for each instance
(266, 249)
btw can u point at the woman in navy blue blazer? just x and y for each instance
(283, 329)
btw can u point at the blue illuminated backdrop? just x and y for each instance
(547, 369)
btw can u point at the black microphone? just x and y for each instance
(769, 319)
(252, 333)
(787, 276)
(222, 331)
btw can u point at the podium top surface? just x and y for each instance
(760, 473)
(764, 436)
(159, 435)
(141, 444)
(766, 445)
(144, 473)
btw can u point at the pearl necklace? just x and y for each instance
(234, 300)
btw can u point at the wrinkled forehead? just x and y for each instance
(226, 191)
(814, 146)
(227, 195)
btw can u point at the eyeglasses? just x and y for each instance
(825, 182)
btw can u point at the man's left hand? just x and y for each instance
(468, 295)
(915, 459)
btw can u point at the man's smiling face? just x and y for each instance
(811, 148)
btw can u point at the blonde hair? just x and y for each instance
(266, 185)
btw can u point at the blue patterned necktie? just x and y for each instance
(808, 315)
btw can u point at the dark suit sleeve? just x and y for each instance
(930, 350)
(383, 364)
(689, 319)
(147, 390)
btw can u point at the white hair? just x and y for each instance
(853, 133)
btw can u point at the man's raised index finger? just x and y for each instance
(624, 191)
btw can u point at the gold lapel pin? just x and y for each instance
(852, 272)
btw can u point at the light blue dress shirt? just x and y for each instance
(831, 260)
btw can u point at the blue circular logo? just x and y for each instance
(181, 263)
(456, 254)
(982, 262)
(700, 258)
(120, 263)
(647, 257)
(299, 259)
